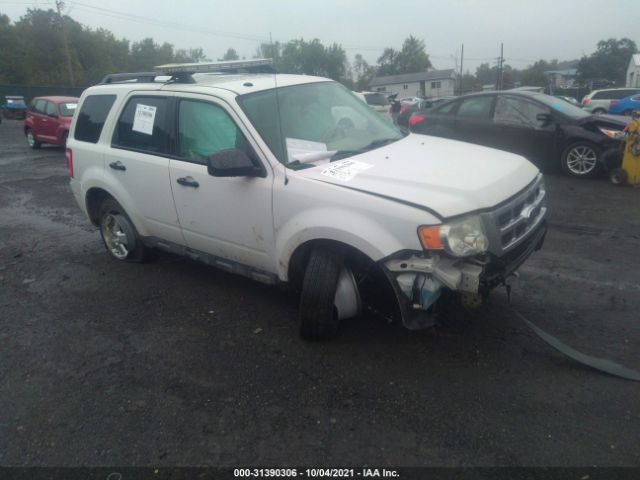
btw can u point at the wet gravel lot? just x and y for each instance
(176, 363)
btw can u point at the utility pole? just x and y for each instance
(65, 44)
(461, 62)
(500, 63)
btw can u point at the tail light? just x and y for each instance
(585, 101)
(415, 119)
(69, 154)
(613, 103)
(402, 108)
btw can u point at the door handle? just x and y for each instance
(188, 182)
(117, 165)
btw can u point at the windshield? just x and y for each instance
(67, 109)
(562, 106)
(16, 103)
(305, 125)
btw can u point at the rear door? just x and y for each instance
(473, 121)
(520, 131)
(137, 164)
(49, 121)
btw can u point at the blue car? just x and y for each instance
(625, 105)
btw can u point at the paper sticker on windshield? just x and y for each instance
(71, 106)
(143, 119)
(345, 170)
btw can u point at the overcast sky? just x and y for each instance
(529, 29)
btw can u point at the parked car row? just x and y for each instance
(608, 101)
(48, 120)
(546, 130)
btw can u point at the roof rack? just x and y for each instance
(257, 65)
(182, 72)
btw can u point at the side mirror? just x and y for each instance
(233, 163)
(544, 119)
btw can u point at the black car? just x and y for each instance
(546, 130)
(406, 111)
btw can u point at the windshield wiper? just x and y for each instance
(371, 146)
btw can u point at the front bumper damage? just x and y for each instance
(419, 280)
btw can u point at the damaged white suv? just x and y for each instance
(293, 180)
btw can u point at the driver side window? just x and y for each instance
(205, 128)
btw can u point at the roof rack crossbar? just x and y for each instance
(127, 77)
(183, 72)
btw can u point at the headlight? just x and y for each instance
(617, 134)
(460, 238)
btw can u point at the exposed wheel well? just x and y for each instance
(95, 197)
(373, 284)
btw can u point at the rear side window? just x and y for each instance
(376, 99)
(477, 107)
(50, 109)
(143, 126)
(38, 106)
(93, 113)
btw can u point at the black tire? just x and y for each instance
(31, 139)
(65, 136)
(580, 159)
(599, 111)
(627, 113)
(114, 220)
(618, 176)
(318, 318)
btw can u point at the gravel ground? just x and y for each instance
(175, 363)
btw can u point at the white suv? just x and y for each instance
(292, 180)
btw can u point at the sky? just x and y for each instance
(529, 29)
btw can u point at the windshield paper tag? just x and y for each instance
(143, 119)
(345, 170)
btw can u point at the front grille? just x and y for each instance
(511, 223)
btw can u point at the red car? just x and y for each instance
(48, 120)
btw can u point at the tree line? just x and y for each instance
(44, 48)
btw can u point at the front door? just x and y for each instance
(229, 217)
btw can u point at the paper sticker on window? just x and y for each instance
(345, 170)
(143, 119)
(306, 151)
(71, 106)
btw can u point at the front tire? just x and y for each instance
(580, 160)
(119, 234)
(31, 139)
(318, 316)
(599, 111)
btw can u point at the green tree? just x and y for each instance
(609, 61)
(230, 54)
(411, 58)
(362, 72)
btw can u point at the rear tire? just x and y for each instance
(599, 111)
(119, 234)
(618, 176)
(318, 317)
(31, 139)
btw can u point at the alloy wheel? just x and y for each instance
(581, 160)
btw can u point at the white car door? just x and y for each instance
(228, 217)
(138, 165)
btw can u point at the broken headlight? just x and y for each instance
(460, 238)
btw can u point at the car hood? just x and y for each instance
(605, 120)
(445, 176)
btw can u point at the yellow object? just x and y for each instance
(631, 158)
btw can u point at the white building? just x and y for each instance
(633, 71)
(435, 83)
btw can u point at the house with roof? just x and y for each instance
(562, 78)
(433, 83)
(633, 71)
